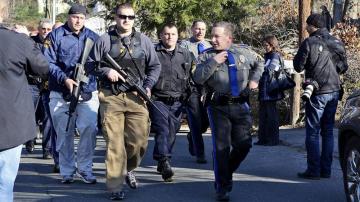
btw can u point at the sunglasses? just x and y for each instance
(123, 17)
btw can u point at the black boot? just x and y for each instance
(165, 169)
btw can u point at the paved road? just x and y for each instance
(267, 174)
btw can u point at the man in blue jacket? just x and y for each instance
(63, 48)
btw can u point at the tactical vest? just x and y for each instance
(174, 77)
(130, 56)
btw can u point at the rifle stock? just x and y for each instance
(80, 78)
(132, 83)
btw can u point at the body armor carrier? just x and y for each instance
(129, 56)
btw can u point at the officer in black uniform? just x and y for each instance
(36, 87)
(169, 93)
(228, 72)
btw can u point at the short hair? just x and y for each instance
(169, 25)
(45, 21)
(123, 6)
(273, 42)
(197, 21)
(228, 27)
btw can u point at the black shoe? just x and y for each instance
(222, 196)
(323, 175)
(191, 146)
(46, 155)
(56, 168)
(159, 167)
(117, 196)
(201, 160)
(307, 175)
(29, 146)
(130, 180)
(166, 171)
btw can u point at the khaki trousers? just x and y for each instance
(125, 121)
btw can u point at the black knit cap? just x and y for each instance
(77, 9)
(316, 20)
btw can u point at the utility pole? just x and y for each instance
(338, 10)
(53, 17)
(304, 12)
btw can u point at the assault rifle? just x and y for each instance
(132, 82)
(80, 78)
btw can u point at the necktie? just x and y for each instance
(232, 71)
(201, 48)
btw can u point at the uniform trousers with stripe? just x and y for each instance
(230, 126)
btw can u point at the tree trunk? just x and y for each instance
(338, 10)
(304, 12)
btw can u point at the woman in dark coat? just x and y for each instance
(268, 134)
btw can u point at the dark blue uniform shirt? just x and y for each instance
(63, 49)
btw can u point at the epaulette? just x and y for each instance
(250, 50)
(208, 49)
(242, 45)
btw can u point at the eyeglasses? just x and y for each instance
(123, 17)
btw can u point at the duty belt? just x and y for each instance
(168, 100)
(226, 100)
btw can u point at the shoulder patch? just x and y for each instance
(47, 43)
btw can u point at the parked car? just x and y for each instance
(349, 146)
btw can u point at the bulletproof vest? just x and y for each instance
(174, 76)
(127, 52)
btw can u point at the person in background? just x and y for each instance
(57, 25)
(196, 113)
(268, 133)
(37, 86)
(321, 75)
(18, 55)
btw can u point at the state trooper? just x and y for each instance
(63, 49)
(196, 112)
(169, 94)
(229, 73)
(125, 118)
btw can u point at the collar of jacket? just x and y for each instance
(38, 39)
(68, 31)
(320, 32)
(160, 47)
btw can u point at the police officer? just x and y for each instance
(196, 113)
(47, 129)
(125, 118)
(63, 49)
(169, 94)
(228, 72)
